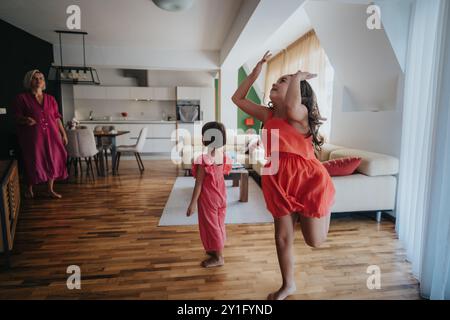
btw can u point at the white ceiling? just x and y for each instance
(363, 59)
(133, 23)
(138, 34)
(296, 26)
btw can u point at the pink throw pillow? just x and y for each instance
(342, 166)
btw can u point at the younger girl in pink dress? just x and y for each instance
(210, 193)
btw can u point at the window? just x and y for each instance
(306, 54)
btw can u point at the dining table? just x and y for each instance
(112, 136)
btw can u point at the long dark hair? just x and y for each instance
(315, 120)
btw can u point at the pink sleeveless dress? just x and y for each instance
(212, 202)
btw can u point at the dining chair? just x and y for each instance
(136, 149)
(81, 144)
(106, 142)
(73, 155)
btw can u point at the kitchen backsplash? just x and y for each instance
(137, 110)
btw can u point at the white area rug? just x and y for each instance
(253, 211)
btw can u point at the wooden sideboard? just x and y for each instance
(9, 204)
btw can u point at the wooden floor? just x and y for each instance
(109, 229)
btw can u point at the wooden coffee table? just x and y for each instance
(240, 179)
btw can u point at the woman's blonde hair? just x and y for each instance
(29, 76)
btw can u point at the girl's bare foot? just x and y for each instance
(54, 195)
(282, 293)
(213, 262)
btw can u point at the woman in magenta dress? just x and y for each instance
(41, 135)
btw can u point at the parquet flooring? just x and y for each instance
(109, 229)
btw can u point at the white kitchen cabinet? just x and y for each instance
(158, 135)
(158, 145)
(161, 130)
(153, 93)
(118, 93)
(126, 93)
(141, 93)
(164, 93)
(189, 93)
(89, 92)
(191, 128)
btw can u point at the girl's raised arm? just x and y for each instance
(296, 111)
(239, 98)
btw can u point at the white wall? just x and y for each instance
(180, 78)
(367, 77)
(291, 30)
(245, 12)
(265, 20)
(68, 102)
(228, 110)
(139, 58)
(256, 22)
(115, 78)
(395, 16)
(371, 131)
(362, 58)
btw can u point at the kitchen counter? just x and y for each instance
(127, 121)
(161, 135)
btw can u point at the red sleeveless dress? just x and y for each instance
(301, 184)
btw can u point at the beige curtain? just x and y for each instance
(306, 54)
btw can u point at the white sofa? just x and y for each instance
(373, 186)
(191, 147)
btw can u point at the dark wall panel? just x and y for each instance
(19, 53)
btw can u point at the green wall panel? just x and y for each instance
(252, 96)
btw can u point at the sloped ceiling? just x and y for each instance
(363, 59)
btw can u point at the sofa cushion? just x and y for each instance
(326, 149)
(258, 165)
(372, 164)
(359, 192)
(342, 166)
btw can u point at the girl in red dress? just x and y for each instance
(301, 190)
(41, 135)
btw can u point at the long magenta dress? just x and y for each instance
(43, 151)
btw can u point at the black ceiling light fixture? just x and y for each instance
(73, 74)
(174, 5)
